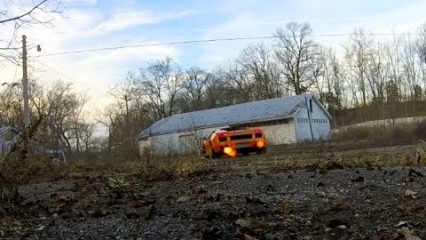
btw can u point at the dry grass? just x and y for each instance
(383, 136)
(310, 156)
(16, 172)
(176, 167)
(156, 169)
(420, 130)
(324, 160)
(326, 156)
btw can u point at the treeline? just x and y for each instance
(59, 109)
(363, 72)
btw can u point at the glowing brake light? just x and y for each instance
(258, 133)
(221, 135)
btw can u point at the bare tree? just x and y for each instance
(85, 134)
(421, 46)
(126, 92)
(16, 14)
(319, 82)
(331, 87)
(160, 83)
(421, 43)
(194, 88)
(393, 52)
(297, 54)
(124, 117)
(412, 69)
(239, 82)
(218, 92)
(260, 66)
(377, 73)
(61, 108)
(358, 54)
(10, 103)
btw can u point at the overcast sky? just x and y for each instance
(93, 24)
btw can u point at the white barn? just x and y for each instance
(284, 120)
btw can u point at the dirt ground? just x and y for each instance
(246, 198)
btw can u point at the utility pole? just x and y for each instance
(127, 99)
(308, 111)
(27, 117)
(26, 97)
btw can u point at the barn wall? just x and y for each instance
(191, 141)
(145, 147)
(282, 133)
(319, 121)
(176, 143)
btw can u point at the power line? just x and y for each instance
(206, 41)
(152, 44)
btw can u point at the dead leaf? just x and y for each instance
(320, 184)
(410, 194)
(414, 173)
(142, 203)
(341, 227)
(403, 224)
(322, 193)
(243, 223)
(40, 228)
(286, 209)
(99, 212)
(333, 223)
(340, 205)
(245, 236)
(358, 179)
(254, 200)
(405, 231)
(183, 199)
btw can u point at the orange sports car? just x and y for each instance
(234, 140)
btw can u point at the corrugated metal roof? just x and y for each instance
(244, 113)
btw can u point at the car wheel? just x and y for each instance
(212, 154)
(203, 152)
(261, 151)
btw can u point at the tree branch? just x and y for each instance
(24, 14)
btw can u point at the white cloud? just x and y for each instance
(82, 2)
(124, 19)
(242, 25)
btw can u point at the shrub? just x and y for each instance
(359, 133)
(400, 134)
(420, 130)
